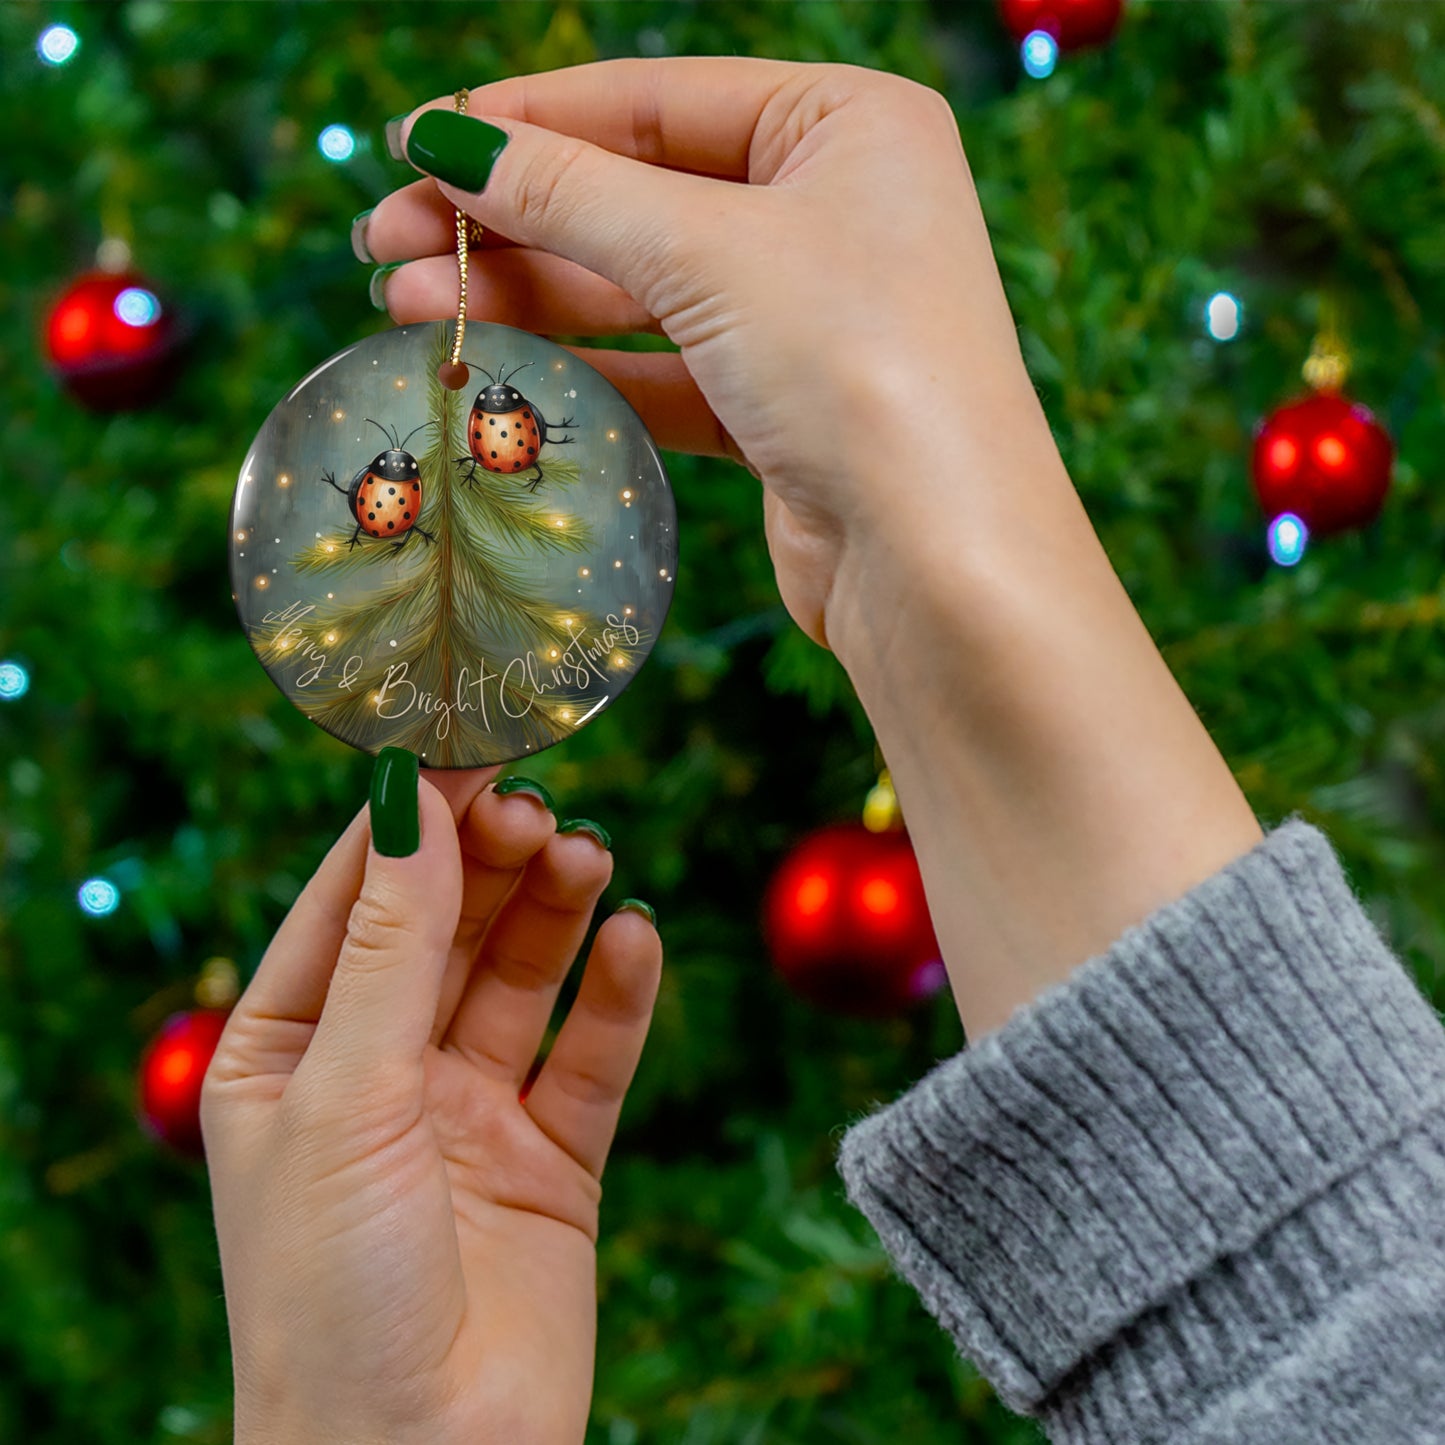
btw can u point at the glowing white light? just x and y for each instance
(137, 307)
(14, 681)
(57, 44)
(98, 897)
(1040, 53)
(336, 143)
(1222, 316)
(1288, 536)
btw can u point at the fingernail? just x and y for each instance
(395, 811)
(586, 825)
(377, 289)
(455, 148)
(393, 137)
(636, 905)
(527, 786)
(359, 248)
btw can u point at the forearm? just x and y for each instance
(1057, 784)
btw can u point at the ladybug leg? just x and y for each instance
(355, 537)
(331, 481)
(420, 533)
(471, 461)
(533, 485)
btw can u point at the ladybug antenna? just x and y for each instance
(389, 435)
(487, 374)
(514, 371)
(401, 447)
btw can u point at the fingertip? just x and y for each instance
(459, 786)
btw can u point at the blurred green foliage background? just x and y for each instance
(1287, 153)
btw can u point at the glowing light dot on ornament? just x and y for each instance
(98, 897)
(1331, 451)
(878, 897)
(812, 895)
(1283, 454)
(336, 143)
(137, 307)
(1288, 537)
(57, 44)
(1223, 316)
(177, 1066)
(1040, 54)
(14, 681)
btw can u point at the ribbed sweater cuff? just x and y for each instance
(1173, 1108)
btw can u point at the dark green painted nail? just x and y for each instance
(455, 148)
(586, 825)
(359, 248)
(393, 137)
(636, 905)
(395, 811)
(377, 289)
(528, 786)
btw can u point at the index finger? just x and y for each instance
(688, 112)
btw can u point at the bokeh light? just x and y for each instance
(57, 44)
(1223, 316)
(336, 143)
(1040, 53)
(14, 681)
(1288, 537)
(98, 897)
(138, 307)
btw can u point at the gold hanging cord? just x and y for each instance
(453, 374)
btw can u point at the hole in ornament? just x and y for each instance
(453, 375)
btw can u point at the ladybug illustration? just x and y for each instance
(506, 432)
(385, 495)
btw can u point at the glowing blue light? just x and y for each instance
(1223, 316)
(337, 143)
(137, 306)
(99, 897)
(57, 44)
(1040, 53)
(1287, 538)
(14, 681)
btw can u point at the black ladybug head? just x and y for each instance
(501, 395)
(395, 463)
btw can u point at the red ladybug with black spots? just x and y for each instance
(506, 432)
(385, 495)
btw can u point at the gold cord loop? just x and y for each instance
(453, 374)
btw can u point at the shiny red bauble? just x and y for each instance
(112, 341)
(847, 923)
(171, 1072)
(1072, 23)
(1326, 459)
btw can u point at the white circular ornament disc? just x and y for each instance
(469, 575)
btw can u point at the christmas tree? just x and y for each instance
(1283, 156)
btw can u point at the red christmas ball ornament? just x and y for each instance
(1073, 23)
(171, 1072)
(111, 341)
(847, 923)
(1324, 458)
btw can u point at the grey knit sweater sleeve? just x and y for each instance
(1197, 1191)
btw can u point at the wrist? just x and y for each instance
(1057, 783)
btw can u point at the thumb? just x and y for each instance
(382, 1000)
(638, 225)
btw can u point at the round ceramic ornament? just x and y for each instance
(469, 574)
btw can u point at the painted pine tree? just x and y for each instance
(452, 647)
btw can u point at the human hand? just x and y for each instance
(842, 325)
(408, 1247)
(810, 237)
